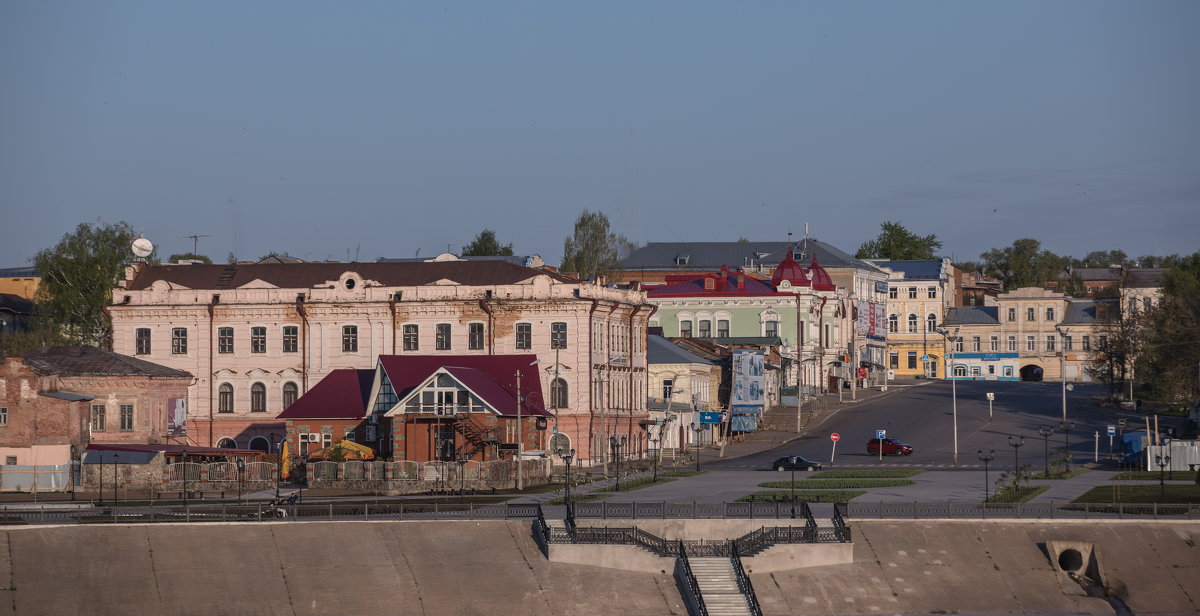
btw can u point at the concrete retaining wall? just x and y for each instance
(488, 567)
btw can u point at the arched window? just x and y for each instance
(960, 371)
(558, 394)
(931, 322)
(912, 323)
(227, 443)
(258, 398)
(289, 394)
(893, 323)
(259, 443)
(225, 398)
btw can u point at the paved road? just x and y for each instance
(921, 413)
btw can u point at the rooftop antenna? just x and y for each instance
(196, 241)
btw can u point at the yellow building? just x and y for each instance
(918, 294)
(1031, 334)
(20, 281)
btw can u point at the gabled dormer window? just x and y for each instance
(682, 259)
(443, 395)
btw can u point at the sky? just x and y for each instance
(359, 130)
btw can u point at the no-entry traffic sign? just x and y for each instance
(835, 437)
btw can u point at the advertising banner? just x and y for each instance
(748, 396)
(176, 416)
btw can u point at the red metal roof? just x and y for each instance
(342, 394)
(790, 271)
(345, 393)
(821, 281)
(492, 377)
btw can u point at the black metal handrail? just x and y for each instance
(541, 528)
(839, 522)
(743, 580)
(692, 584)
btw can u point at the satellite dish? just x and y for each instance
(142, 247)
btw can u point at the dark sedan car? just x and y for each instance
(795, 463)
(891, 446)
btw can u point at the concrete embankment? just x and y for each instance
(489, 567)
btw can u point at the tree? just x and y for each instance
(1024, 264)
(1120, 337)
(485, 245)
(1105, 258)
(1172, 335)
(897, 243)
(175, 258)
(78, 277)
(593, 248)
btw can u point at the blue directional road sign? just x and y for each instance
(881, 434)
(710, 418)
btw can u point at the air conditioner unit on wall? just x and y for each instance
(314, 438)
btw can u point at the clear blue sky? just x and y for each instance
(383, 128)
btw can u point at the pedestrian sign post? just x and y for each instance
(835, 437)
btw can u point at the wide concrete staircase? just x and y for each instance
(718, 586)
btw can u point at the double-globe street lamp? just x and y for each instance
(616, 443)
(1163, 462)
(1016, 442)
(1046, 432)
(986, 458)
(567, 456)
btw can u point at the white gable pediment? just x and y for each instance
(224, 373)
(258, 283)
(257, 373)
(444, 282)
(163, 285)
(289, 373)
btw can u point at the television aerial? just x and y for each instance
(142, 247)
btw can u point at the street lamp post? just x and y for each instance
(101, 477)
(617, 442)
(1066, 428)
(184, 456)
(793, 461)
(567, 457)
(1163, 462)
(279, 466)
(951, 340)
(1046, 432)
(654, 442)
(462, 476)
(241, 468)
(116, 465)
(1016, 442)
(1062, 357)
(986, 458)
(698, 431)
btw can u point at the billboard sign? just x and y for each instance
(747, 401)
(176, 416)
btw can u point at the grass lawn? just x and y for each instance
(1009, 495)
(836, 484)
(1142, 494)
(1058, 474)
(883, 473)
(802, 496)
(1153, 476)
(582, 498)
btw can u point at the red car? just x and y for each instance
(891, 447)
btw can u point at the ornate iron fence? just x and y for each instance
(1038, 510)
